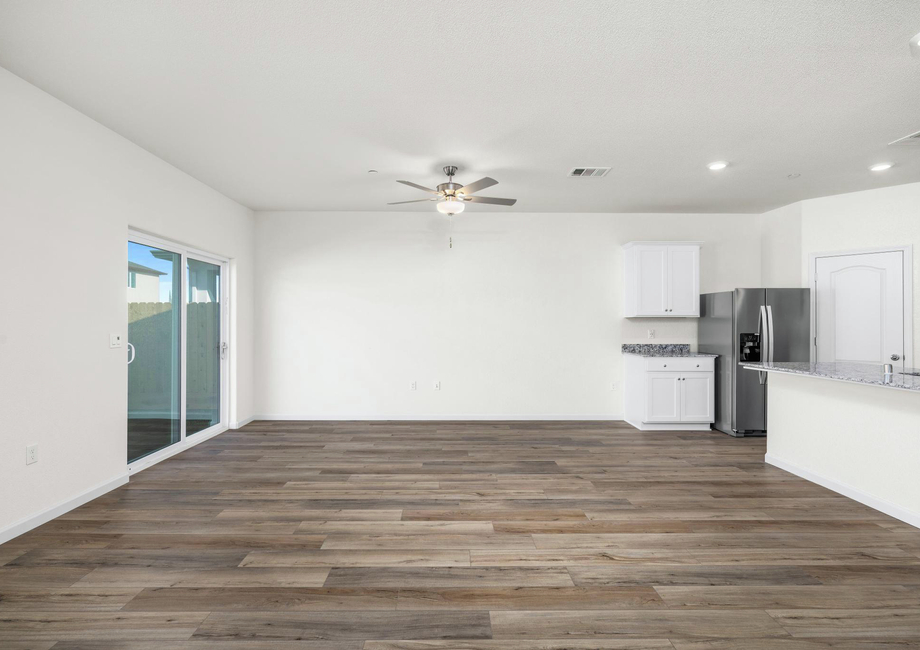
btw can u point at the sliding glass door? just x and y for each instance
(177, 346)
(204, 348)
(154, 360)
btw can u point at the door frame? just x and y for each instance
(185, 442)
(907, 285)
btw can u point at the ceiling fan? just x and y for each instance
(452, 196)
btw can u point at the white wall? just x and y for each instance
(69, 190)
(888, 216)
(859, 440)
(781, 247)
(522, 318)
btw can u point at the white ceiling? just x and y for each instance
(285, 104)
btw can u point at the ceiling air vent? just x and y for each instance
(912, 140)
(585, 172)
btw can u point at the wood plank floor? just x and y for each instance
(471, 536)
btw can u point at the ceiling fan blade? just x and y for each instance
(417, 186)
(488, 199)
(415, 201)
(481, 184)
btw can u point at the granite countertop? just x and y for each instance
(859, 373)
(662, 350)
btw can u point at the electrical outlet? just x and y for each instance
(31, 454)
(651, 334)
(437, 385)
(413, 385)
(613, 385)
(114, 340)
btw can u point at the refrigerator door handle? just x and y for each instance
(765, 351)
(770, 330)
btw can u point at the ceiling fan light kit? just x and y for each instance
(452, 197)
(450, 206)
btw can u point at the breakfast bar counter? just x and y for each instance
(857, 434)
(859, 373)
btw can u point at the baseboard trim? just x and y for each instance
(876, 503)
(27, 524)
(431, 417)
(242, 423)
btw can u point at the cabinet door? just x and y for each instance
(662, 397)
(696, 398)
(652, 280)
(684, 281)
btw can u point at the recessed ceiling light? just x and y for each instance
(717, 165)
(915, 46)
(371, 171)
(880, 167)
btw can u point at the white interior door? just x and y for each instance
(859, 308)
(652, 278)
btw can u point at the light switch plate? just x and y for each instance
(437, 385)
(114, 340)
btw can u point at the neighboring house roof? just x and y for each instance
(143, 270)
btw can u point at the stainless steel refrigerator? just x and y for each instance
(751, 325)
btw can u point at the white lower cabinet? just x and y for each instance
(662, 397)
(696, 397)
(670, 393)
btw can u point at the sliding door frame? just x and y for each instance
(185, 442)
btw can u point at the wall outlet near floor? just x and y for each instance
(413, 385)
(651, 334)
(613, 385)
(437, 385)
(114, 340)
(31, 454)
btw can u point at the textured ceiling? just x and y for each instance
(286, 104)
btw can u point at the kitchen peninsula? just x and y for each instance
(844, 426)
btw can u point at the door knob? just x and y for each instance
(895, 357)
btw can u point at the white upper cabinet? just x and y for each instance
(662, 279)
(652, 277)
